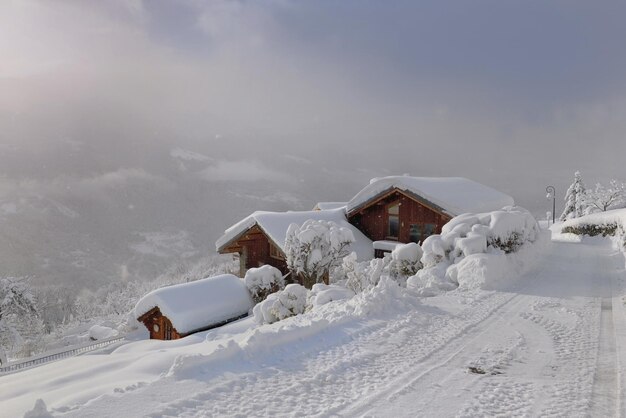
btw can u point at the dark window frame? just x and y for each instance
(388, 208)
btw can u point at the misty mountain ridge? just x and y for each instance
(131, 224)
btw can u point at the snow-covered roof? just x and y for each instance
(275, 225)
(329, 205)
(454, 195)
(196, 305)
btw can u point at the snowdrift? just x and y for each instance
(482, 250)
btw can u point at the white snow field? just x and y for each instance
(552, 343)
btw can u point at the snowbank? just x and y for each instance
(479, 251)
(99, 332)
(196, 305)
(322, 294)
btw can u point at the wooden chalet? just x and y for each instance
(174, 312)
(259, 239)
(403, 209)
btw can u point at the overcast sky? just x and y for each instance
(516, 94)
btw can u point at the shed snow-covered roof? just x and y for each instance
(196, 305)
(275, 225)
(454, 195)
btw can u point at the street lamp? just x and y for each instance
(552, 194)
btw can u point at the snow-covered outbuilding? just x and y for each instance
(408, 209)
(174, 312)
(259, 239)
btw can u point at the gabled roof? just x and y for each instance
(453, 195)
(275, 225)
(196, 305)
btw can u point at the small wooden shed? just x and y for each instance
(174, 312)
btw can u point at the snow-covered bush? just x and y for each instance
(280, 305)
(590, 229)
(608, 224)
(263, 281)
(314, 248)
(466, 244)
(405, 261)
(21, 328)
(322, 294)
(363, 275)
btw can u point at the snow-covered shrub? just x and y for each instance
(282, 304)
(263, 281)
(21, 328)
(322, 294)
(363, 275)
(405, 261)
(466, 244)
(433, 251)
(592, 230)
(314, 248)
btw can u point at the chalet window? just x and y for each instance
(429, 229)
(415, 234)
(275, 252)
(393, 220)
(168, 331)
(419, 232)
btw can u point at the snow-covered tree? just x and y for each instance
(364, 275)
(602, 198)
(575, 199)
(20, 325)
(314, 248)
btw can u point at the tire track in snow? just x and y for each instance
(339, 377)
(604, 396)
(434, 374)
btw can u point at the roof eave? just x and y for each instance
(406, 192)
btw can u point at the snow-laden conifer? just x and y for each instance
(575, 199)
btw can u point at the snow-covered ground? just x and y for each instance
(547, 344)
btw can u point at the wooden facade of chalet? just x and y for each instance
(256, 249)
(161, 328)
(159, 325)
(398, 215)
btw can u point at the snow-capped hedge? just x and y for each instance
(263, 281)
(475, 250)
(611, 223)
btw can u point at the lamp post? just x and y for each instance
(552, 194)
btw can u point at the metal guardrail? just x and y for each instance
(56, 355)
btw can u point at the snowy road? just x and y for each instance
(546, 347)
